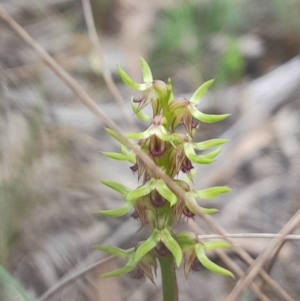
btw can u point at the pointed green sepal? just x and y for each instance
(146, 71)
(115, 135)
(214, 245)
(213, 154)
(206, 262)
(120, 253)
(138, 136)
(121, 271)
(211, 193)
(190, 153)
(191, 204)
(207, 118)
(129, 82)
(200, 92)
(186, 240)
(141, 191)
(165, 192)
(147, 246)
(172, 245)
(118, 211)
(122, 189)
(120, 157)
(209, 144)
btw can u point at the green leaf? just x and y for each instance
(117, 212)
(147, 74)
(207, 118)
(214, 245)
(212, 192)
(200, 92)
(139, 114)
(141, 191)
(209, 143)
(172, 245)
(165, 192)
(120, 253)
(146, 246)
(122, 189)
(129, 82)
(6, 278)
(206, 262)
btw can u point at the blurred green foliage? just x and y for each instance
(183, 33)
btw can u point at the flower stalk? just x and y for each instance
(153, 203)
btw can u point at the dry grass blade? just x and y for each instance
(70, 278)
(250, 235)
(91, 105)
(258, 263)
(88, 15)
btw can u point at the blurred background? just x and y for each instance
(51, 145)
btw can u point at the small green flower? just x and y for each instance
(183, 110)
(147, 264)
(192, 248)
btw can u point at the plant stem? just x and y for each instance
(168, 275)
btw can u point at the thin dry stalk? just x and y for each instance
(91, 105)
(88, 15)
(258, 263)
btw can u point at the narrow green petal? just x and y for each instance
(190, 153)
(165, 192)
(213, 154)
(129, 82)
(200, 92)
(211, 193)
(213, 245)
(186, 239)
(147, 74)
(121, 271)
(140, 191)
(138, 136)
(206, 117)
(146, 246)
(118, 156)
(139, 114)
(117, 212)
(209, 143)
(117, 186)
(114, 135)
(172, 245)
(208, 211)
(191, 203)
(120, 253)
(206, 262)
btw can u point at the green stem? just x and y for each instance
(168, 275)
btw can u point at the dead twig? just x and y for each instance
(88, 16)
